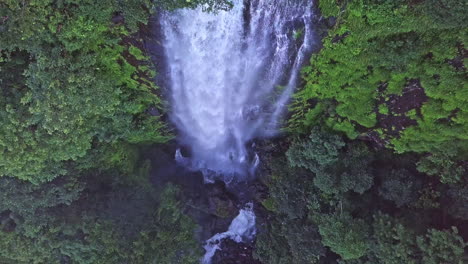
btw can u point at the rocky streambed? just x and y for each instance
(213, 206)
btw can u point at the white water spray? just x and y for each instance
(242, 228)
(231, 73)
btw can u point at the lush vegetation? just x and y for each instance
(375, 166)
(393, 70)
(74, 94)
(367, 207)
(77, 103)
(69, 222)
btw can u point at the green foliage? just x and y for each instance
(134, 12)
(290, 236)
(442, 247)
(171, 240)
(314, 196)
(329, 8)
(400, 187)
(457, 201)
(297, 34)
(391, 72)
(345, 235)
(25, 198)
(291, 241)
(394, 243)
(68, 87)
(288, 188)
(44, 225)
(397, 243)
(351, 173)
(75, 87)
(129, 224)
(19, 249)
(367, 68)
(336, 170)
(448, 12)
(442, 165)
(321, 149)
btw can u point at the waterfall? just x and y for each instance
(231, 74)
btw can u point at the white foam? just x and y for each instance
(242, 228)
(223, 77)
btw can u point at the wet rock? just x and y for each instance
(375, 140)
(7, 223)
(153, 111)
(118, 19)
(412, 97)
(234, 253)
(330, 22)
(221, 207)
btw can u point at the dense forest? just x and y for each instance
(372, 166)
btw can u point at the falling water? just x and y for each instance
(241, 229)
(231, 74)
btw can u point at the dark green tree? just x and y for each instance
(392, 242)
(444, 166)
(457, 201)
(290, 236)
(368, 91)
(344, 235)
(399, 186)
(442, 247)
(337, 169)
(76, 86)
(319, 150)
